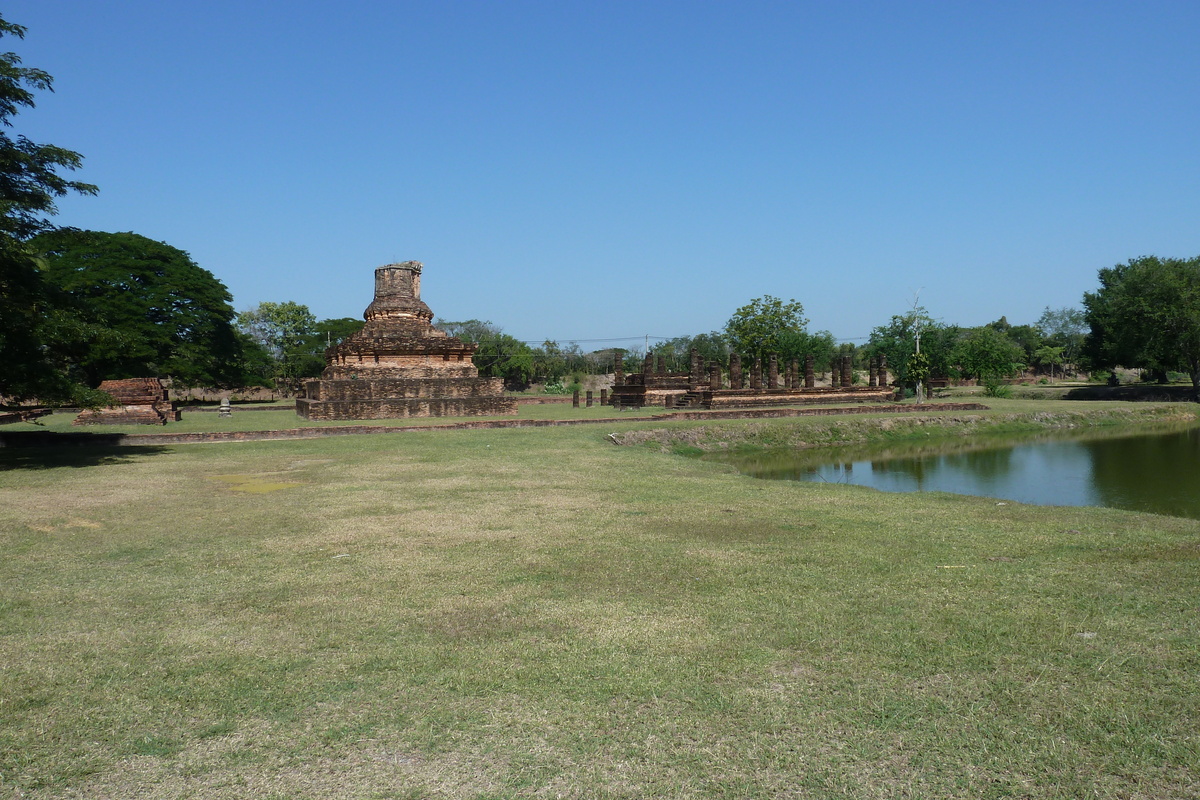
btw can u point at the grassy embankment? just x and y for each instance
(1002, 418)
(510, 613)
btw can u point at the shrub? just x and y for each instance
(994, 388)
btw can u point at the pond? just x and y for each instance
(1156, 471)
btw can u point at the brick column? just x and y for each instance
(696, 376)
(773, 372)
(756, 375)
(604, 397)
(873, 372)
(835, 375)
(575, 399)
(883, 371)
(847, 371)
(589, 398)
(714, 377)
(735, 371)
(810, 379)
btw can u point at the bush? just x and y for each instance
(994, 388)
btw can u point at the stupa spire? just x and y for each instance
(398, 293)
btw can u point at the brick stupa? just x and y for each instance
(399, 365)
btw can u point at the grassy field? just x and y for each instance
(540, 613)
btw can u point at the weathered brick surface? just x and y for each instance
(402, 388)
(401, 408)
(650, 390)
(139, 401)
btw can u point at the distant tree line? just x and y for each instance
(555, 366)
(989, 353)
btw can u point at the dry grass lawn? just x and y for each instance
(540, 613)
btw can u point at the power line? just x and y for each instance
(609, 339)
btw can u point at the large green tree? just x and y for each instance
(503, 356)
(173, 318)
(293, 339)
(988, 354)
(897, 341)
(1146, 315)
(1063, 328)
(799, 344)
(761, 327)
(34, 331)
(497, 354)
(550, 362)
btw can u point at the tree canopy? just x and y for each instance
(988, 354)
(33, 332)
(29, 172)
(497, 354)
(174, 319)
(285, 344)
(761, 327)
(287, 333)
(1146, 314)
(897, 341)
(1063, 328)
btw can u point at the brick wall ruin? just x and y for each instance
(138, 401)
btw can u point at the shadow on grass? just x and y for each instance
(1149, 393)
(51, 457)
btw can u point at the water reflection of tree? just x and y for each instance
(985, 465)
(1124, 468)
(1144, 473)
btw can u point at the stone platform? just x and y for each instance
(745, 398)
(389, 398)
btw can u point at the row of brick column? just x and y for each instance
(590, 398)
(841, 372)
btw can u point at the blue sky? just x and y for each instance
(606, 170)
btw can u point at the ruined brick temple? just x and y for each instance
(399, 365)
(703, 386)
(139, 401)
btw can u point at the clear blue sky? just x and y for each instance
(593, 170)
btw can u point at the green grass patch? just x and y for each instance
(531, 613)
(1001, 418)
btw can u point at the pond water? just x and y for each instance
(1157, 471)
